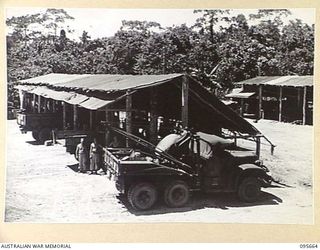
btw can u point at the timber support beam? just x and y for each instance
(64, 115)
(128, 115)
(75, 117)
(304, 107)
(153, 116)
(34, 103)
(91, 120)
(185, 101)
(280, 103)
(260, 103)
(39, 103)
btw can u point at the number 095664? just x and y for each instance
(308, 246)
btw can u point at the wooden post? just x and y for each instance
(258, 146)
(185, 101)
(39, 103)
(128, 115)
(53, 106)
(64, 115)
(91, 120)
(45, 105)
(107, 133)
(22, 99)
(280, 104)
(299, 98)
(34, 103)
(75, 117)
(107, 115)
(153, 128)
(304, 107)
(260, 102)
(54, 138)
(241, 106)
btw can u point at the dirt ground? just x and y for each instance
(42, 186)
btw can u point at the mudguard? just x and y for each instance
(264, 177)
(250, 166)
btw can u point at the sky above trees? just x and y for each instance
(219, 48)
(106, 22)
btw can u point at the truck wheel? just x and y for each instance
(35, 134)
(44, 135)
(142, 196)
(249, 189)
(176, 194)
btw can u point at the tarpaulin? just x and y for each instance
(49, 93)
(73, 98)
(101, 82)
(76, 99)
(94, 103)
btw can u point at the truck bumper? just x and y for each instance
(266, 180)
(120, 184)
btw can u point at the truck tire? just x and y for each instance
(44, 135)
(249, 189)
(142, 196)
(176, 194)
(35, 134)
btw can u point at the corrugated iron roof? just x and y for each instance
(101, 82)
(94, 103)
(292, 81)
(49, 93)
(53, 78)
(24, 87)
(243, 95)
(76, 99)
(73, 98)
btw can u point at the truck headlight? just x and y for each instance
(259, 162)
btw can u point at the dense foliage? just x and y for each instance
(219, 49)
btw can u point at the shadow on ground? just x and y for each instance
(74, 167)
(198, 201)
(34, 143)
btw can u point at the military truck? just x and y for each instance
(41, 125)
(181, 163)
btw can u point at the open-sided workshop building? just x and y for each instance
(145, 105)
(282, 98)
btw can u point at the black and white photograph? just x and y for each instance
(159, 115)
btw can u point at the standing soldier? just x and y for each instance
(94, 157)
(82, 156)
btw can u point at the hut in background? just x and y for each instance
(282, 98)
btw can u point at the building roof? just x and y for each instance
(100, 82)
(70, 97)
(74, 90)
(289, 81)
